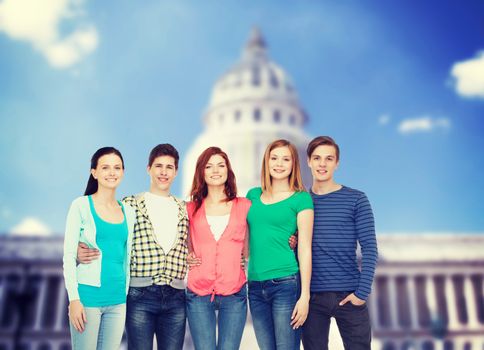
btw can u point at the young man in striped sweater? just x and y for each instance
(339, 288)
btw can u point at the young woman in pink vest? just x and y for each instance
(218, 239)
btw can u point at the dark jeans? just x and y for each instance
(156, 310)
(271, 305)
(353, 322)
(232, 313)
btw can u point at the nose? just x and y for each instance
(215, 169)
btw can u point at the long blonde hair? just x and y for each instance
(295, 178)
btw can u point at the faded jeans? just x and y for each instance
(103, 330)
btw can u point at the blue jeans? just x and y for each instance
(232, 313)
(156, 310)
(271, 305)
(103, 330)
(353, 322)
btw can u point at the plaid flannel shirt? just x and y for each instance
(148, 259)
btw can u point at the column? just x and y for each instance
(392, 299)
(373, 307)
(412, 300)
(451, 303)
(471, 304)
(431, 296)
(3, 288)
(61, 309)
(40, 303)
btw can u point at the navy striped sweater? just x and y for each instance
(341, 219)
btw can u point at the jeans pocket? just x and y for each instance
(135, 293)
(242, 293)
(357, 306)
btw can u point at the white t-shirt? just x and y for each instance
(218, 224)
(163, 213)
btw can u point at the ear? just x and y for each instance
(148, 169)
(93, 173)
(308, 159)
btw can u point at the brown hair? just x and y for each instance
(164, 149)
(322, 141)
(199, 187)
(295, 179)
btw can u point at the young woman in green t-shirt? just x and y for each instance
(278, 284)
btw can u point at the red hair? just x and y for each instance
(199, 186)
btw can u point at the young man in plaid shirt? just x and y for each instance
(156, 297)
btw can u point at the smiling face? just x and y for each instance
(280, 163)
(323, 163)
(162, 172)
(215, 173)
(109, 171)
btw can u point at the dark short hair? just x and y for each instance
(164, 149)
(322, 141)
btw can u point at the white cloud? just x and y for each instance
(31, 226)
(39, 23)
(469, 76)
(384, 119)
(423, 124)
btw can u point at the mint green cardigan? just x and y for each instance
(80, 227)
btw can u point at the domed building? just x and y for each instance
(252, 104)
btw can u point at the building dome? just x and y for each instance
(254, 79)
(254, 76)
(252, 104)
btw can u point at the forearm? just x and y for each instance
(305, 228)
(305, 268)
(71, 240)
(369, 258)
(365, 228)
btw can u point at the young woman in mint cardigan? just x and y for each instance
(97, 291)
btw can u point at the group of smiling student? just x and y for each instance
(125, 262)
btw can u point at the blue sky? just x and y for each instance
(400, 85)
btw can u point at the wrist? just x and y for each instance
(304, 297)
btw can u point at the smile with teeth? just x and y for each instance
(163, 179)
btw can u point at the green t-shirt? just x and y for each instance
(270, 227)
